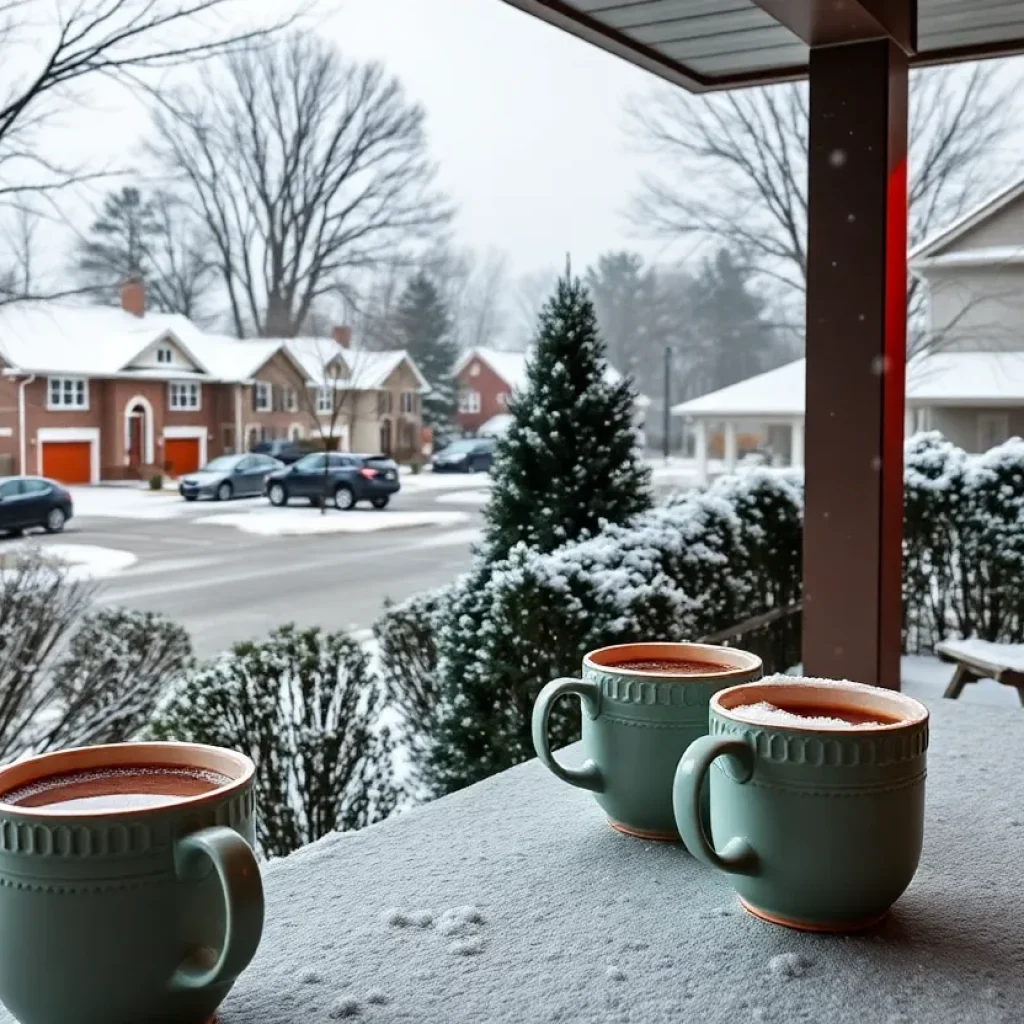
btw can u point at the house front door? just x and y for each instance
(385, 437)
(136, 433)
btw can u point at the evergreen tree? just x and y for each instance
(568, 463)
(422, 326)
(566, 468)
(119, 240)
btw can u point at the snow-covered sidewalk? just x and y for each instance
(84, 561)
(290, 522)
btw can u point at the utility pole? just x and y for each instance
(668, 401)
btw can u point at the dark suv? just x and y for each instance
(343, 479)
(468, 455)
(284, 451)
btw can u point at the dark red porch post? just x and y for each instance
(856, 346)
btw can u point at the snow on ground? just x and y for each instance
(473, 499)
(85, 561)
(126, 502)
(428, 480)
(273, 522)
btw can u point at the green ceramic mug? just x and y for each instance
(817, 812)
(638, 722)
(130, 916)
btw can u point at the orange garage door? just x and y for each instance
(68, 462)
(181, 455)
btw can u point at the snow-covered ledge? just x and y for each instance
(514, 902)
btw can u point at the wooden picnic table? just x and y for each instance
(979, 659)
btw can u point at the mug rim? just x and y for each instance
(238, 767)
(668, 650)
(882, 701)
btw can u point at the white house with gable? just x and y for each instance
(970, 383)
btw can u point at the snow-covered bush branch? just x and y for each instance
(305, 705)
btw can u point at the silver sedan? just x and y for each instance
(229, 476)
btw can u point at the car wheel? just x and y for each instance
(344, 498)
(225, 492)
(278, 495)
(55, 520)
(381, 502)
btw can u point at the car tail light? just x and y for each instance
(368, 473)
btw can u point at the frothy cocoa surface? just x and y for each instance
(115, 789)
(673, 666)
(814, 716)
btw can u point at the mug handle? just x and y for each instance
(589, 776)
(235, 863)
(738, 857)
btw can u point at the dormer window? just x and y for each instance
(165, 355)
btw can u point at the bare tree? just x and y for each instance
(49, 52)
(533, 290)
(739, 166)
(306, 168)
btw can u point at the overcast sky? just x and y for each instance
(525, 121)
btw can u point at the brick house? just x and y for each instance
(95, 392)
(486, 378)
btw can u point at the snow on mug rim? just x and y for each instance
(824, 695)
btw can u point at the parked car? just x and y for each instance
(470, 455)
(27, 501)
(284, 451)
(344, 479)
(229, 476)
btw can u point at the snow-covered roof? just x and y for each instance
(52, 337)
(230, 359)
(942, 378)
(971, 219)
(497, 426)
(512, 367)
(368, 370)
(992, 255)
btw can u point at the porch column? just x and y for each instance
(856, 350)
(796, 443)
(700, 449)
(730, 445)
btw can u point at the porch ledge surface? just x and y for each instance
(514, 901)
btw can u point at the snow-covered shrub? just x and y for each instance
(963, 542)
(406, 636)
(70, 676)
(679, 572)
(117, 666)
(304, 704)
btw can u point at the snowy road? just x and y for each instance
(227, 585)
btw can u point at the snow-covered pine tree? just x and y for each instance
(566, 468)
(568, 463)
(423, 327)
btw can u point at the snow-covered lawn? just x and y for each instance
(85, 561)
(428, 480)
(472, 499)
(282, 522)
(126, 502)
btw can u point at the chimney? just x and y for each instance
(133, 295)
(342, 334)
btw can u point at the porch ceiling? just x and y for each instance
(718, 44)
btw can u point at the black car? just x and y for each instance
(470, 455)
(284, 451)
(342, 478)
(27, 501)
(228, 476)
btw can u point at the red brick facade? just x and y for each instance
(477, 377)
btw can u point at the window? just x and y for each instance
(164, 354)
(10, 489)
(385, 403)
(408, 401)
(263, 396)
(469, 401)
(68, 393)
(291, 399)
(183, 396)
(474, 370)
(34, 487)
(295, 432)
(502, 399)
(993, 429)
(324, 400)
